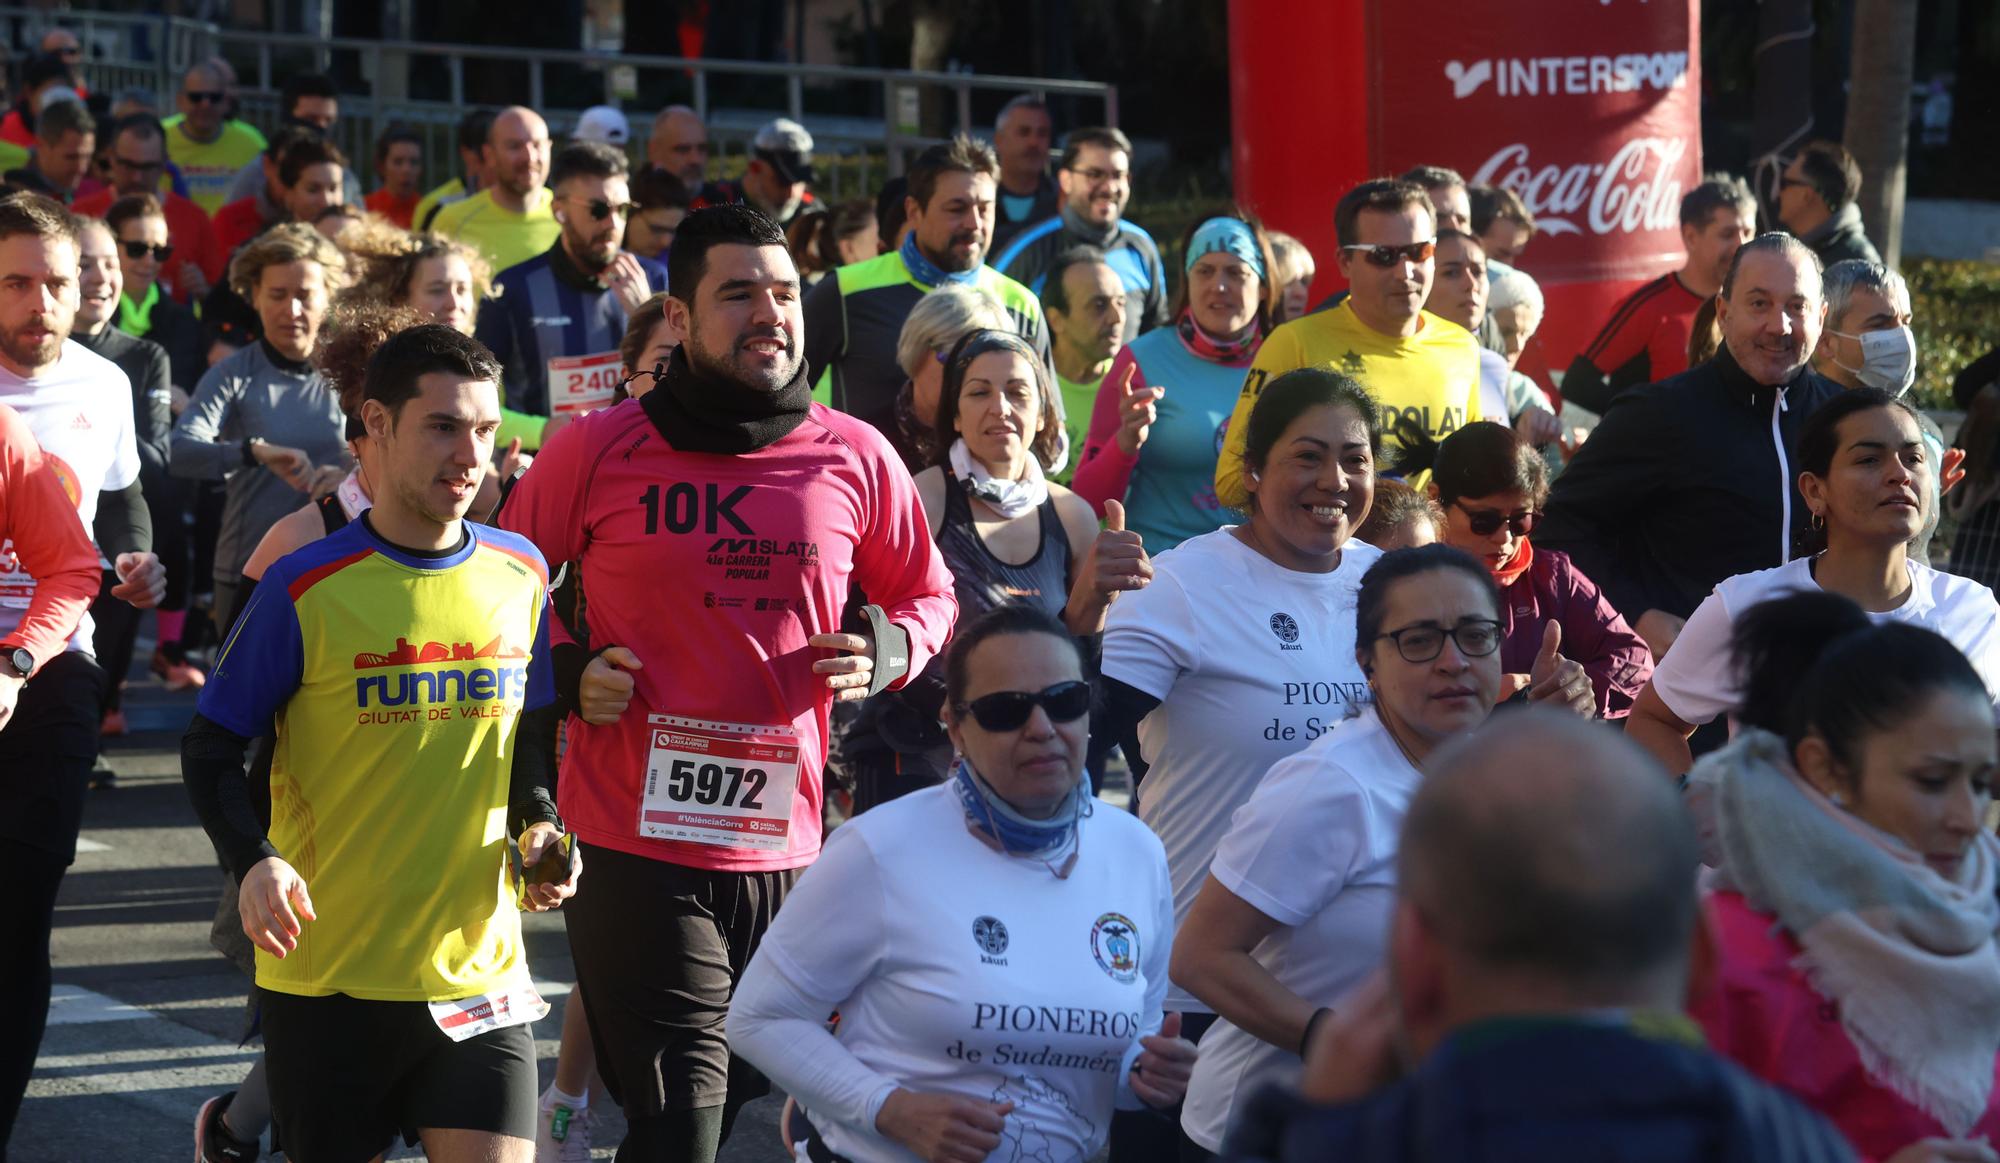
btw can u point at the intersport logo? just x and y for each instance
(1569, 76)
(1635, 191)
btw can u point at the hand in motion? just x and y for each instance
(606, 689)
(943, 1128)
(849, 676)
(1160, 1074)
(293, 466)
(1117, 559)
(539, 843)
(272, 900)
(142, 580)
(1137, 410)
(1559, 681)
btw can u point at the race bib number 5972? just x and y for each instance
(727, 784)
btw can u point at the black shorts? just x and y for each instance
(347, 1076)
(658, 950)
(46, 751)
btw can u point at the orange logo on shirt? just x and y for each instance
(408, 654)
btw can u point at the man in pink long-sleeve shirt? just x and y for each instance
(719, 523)
(39, 528)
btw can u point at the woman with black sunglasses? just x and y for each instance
(996, 950)
(1564, 645)
(1868, 481)
(1294, 912)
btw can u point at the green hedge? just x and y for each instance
(1956, 305)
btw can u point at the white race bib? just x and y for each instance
(727, 784)
(469, 1017)
(582, 383)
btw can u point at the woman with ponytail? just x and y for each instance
(1852, 906)
(1866, 475)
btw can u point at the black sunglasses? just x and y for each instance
(205, 96)
(1487, 522)
(600, 209)
(1476, 638)
(140, 250)
(1388, 256)
(1066, 702)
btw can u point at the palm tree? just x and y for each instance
(1878, 114)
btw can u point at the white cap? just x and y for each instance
(604, 124)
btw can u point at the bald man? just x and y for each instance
(679, 145)
(510, 220)
(1539, 962)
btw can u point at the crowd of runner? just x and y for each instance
(891, 539)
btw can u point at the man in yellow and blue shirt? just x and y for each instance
(208, 145)
(403, 664)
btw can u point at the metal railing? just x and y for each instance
(152, 52)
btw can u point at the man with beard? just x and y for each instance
(79, 407)
(556, 320)
(718, 527)
(855, 315)
(1689, 481)
(510, 220)
(1096, 180)
(1646, 338)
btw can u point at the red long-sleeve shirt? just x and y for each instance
(715, 570)
(40, 529)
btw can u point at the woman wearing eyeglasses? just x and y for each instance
(146, 308)
(1294, 911)
(996, 948)
(1865, 474)
(1009, 535)
(1564, 645)
(1155, 430)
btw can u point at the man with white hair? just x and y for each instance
(1028, 193)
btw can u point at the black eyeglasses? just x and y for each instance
(205, 96)
(1094, 176)
(141, 250)
(600, 209)
(1487, 522)
(1388, 256)
(1066, 702)
(1476, 638)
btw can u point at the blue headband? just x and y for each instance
(1227, 236)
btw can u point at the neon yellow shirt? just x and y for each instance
(1431, 377)
(504, 237)
(446, 194)
(395, 685)
(210, 167)
(1078, 400)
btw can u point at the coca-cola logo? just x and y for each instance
(1637, 190)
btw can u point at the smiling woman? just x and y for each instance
(264, 419)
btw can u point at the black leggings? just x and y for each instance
(115, 635)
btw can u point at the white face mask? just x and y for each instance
(1888, 359)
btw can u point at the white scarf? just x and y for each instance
(1010, 499)
(353, 501)
(1907, 956)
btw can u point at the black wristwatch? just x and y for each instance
(18, 661)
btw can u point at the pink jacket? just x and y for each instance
(1764, 1016)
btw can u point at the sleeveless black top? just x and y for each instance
(983, 581)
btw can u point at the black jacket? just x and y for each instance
(176, 329)
(145, 364)
(1562, 1093)
(1683, 484)
(1841, 237)
(1048, 202)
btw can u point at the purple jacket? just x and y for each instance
(1593, 634)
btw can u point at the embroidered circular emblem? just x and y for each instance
(990, 934)
(1114, 942)
(1285, 628)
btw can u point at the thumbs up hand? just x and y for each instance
(1115, 561)
(1559, 681)
(1166, 1061)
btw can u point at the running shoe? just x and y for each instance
(179, 675)
(212, 1141)
(562, 1133)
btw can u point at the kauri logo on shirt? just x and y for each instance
(991, 936)
(1286, 628)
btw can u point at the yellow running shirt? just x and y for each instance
(442, 196)
(210, 167)
(504, 237)
(395, 683)
(1431, 377)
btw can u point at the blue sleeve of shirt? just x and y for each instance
(494, 327)
(541, 668)
(261, 664)
(656, 274)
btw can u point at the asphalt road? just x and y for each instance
(146, 1016)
